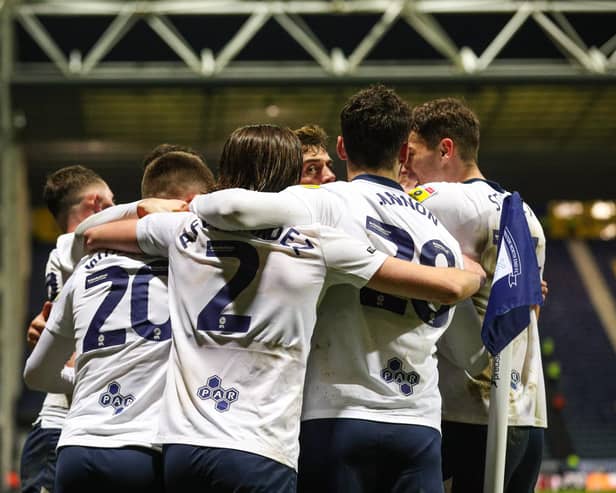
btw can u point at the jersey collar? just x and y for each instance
(381, 180)
(493, 184)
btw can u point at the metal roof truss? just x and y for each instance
(579, 60)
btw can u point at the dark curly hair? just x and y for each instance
(375, 123)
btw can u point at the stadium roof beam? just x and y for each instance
(299, 30)
(328, 62)
(434, 34)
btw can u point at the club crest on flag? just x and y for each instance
(508, 262)
(516, 285)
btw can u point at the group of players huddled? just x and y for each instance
(276, 330)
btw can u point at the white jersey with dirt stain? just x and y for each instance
(471, 212)
(243, 308)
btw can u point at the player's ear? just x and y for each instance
(89, 201)
(446, 148)
(403, 155)
(340, 150)
(97, 202)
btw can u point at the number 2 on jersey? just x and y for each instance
(211, 317)
(406, 251)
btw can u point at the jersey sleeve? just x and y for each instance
(238, 209)
(61, 317)
(53, 276)
(45, 367)
(115, 213)
(323, 205)
(156, 232)
(349, 261)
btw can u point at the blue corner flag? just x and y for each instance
(516, 284)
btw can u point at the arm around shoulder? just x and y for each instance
(44, 368)
(239, 209)
(446, 285)
(119, 235)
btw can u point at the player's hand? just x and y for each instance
(37, 325)
(544, 289)
(472, 266)
(150, 205)
(71, 362)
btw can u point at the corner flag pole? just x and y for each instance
(498, 420)
(516, 287)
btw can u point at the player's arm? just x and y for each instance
(544, 295)
(152, 205)
(53, 285)
(37, 325)
(45, 367)
(239, 209)
(114, 213)
(119, 235)
(151, 235)
(445, 285)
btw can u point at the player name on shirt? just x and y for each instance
(292, 237)
(401, 199)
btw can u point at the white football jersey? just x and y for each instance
(115, 307)
(373, 355)
(243, 308)
(60, 265)
(471, 212)
(58, 269)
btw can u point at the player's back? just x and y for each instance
(116, 309)
(243, 308)
(372, 354)
(471, 212)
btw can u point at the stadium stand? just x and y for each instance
(586, 356)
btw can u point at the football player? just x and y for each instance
(243, 307)
(113, 313)
(443, 154)
(72, 194)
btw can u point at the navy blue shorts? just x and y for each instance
(218, 470)
(464, 454)
(360, 456)
(106, 470)
(38, 459)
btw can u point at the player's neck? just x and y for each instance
(354, 171)
(75, 218)
(470, 171)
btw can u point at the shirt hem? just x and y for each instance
(233, 445)
(372, 416)
(537, 423)
(105, 442)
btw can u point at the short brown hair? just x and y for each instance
(161, 149)
(375, 123)
(311, 137)
(448, 118)
(266, 158)
(174, 174)
(63, 188)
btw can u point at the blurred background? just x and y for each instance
(100, 83)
